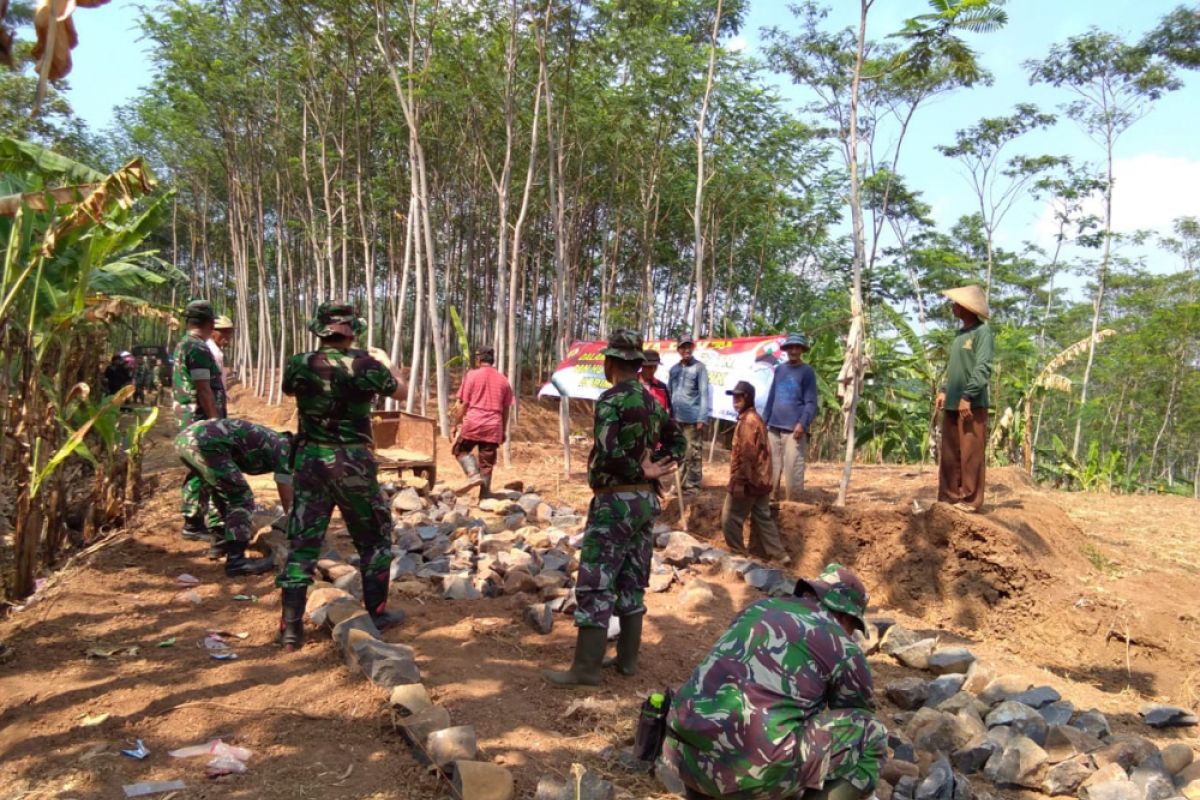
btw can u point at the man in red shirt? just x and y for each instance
(653, 385)
(481, 421)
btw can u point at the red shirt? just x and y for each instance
(659, 390)
(486, 395)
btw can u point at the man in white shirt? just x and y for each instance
(222, 337)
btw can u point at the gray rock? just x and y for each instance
(978, 677)
(529, 503)
(1018, 764)
(1093, 722)
(938, 783)
(451, 744)
(540, 617)
(493, 504)
(902, 749)
(429, 532)
(1058, 713)
(1064, 742)
(1002, 688)
(1067, 777)
(951, 660)
(897, 637)
(660, 582)
(972, 724)
(407, 540)
(404, 567)
(459, 587)
(1116, 789)
(1177, 757)
(669, 778)
(350, 582)
(916, 655)
(416, 728)
(437, 569)
(555, 560)
(514, 521)
(937, 732)
(972, 758)
(1037, 697)
(906, 788)
(1126, 751)
(962, 788)
(409, 699)
(943, 687)
(961, 701)
(740, 566)
(908, 694)
(764, 578)
(713, 555)
(385, 664)
(1153, 781)
(682, 549)
(1010, 711)
(1158, 715)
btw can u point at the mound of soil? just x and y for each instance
(968, 571)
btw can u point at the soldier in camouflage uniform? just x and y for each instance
(334, 387)
(199, 394)
(782, 705)
(220, 450)
(614, 563)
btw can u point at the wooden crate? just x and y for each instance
(404, 441)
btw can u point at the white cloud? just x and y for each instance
(737, 44)
(1149, 192)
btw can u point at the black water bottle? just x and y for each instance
(651, 729)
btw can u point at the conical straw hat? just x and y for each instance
(971, 298)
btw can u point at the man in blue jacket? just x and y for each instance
(790, 411)
(690, 408)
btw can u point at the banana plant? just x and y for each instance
(74, 261)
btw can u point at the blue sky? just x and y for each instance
(1158, 161)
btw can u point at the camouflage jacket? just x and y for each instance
(255, 449)
(334, 390)
(781, 662)
(628, 421)
(195, 362)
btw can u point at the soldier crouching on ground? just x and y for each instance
(782, 706)
(220, 451)
(334, 387)
(614, 563)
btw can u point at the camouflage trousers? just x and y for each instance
(614, 562)
(837, 744)
(198, 512)
(344, 476)
(229, 499)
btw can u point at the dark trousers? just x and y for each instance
(961, 474)
(762, 524)
(486, 457)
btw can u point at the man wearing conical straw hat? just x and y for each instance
(964, 402)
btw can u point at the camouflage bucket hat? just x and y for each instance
(199, 311)
(625, 345)
(839, 589)
(223, 323)
(336, 319)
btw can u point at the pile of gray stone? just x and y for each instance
(960, 720)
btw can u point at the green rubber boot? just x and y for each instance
(629, 642)
(589, 653)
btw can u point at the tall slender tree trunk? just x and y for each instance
(852, 368)
(698, 207)
(1098, 303)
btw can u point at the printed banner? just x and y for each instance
(753, 359)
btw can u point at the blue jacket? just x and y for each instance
(689, 392)
(793, 397)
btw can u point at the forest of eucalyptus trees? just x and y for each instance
(530, 173)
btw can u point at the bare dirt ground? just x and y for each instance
(1093, 594)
